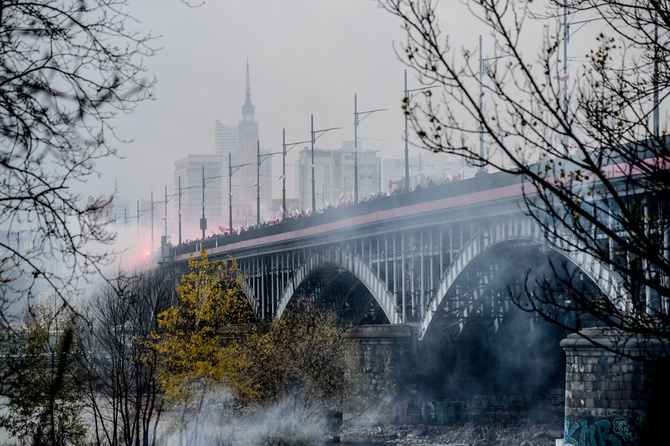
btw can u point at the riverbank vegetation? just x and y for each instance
(155, 358)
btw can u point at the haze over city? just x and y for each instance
(305, 57)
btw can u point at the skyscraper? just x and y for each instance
(334, 175)
(225, 139)
(245, 161)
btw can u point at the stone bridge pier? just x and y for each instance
(611, 399)
(385, 356)
(605, 400)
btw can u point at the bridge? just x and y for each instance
(445, 265)
(431, 257)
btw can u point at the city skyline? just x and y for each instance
(301, 64)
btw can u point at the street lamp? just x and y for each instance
(356, 121)
(230, 188)
(407, 110)
(314, 138)
(283, 173)
(481, 97)
(178, 195)
(258, 179)
(203, 220)
(142, 211)
(564, 77)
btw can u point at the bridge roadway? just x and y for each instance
(433, 257)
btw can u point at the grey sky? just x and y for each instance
(306, 57)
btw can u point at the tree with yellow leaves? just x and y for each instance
(192, 362)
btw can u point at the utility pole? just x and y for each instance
(203, 220)
(407, 111)
(285, 150)
(356, 122)
(313, 140)
(232, 169)
(179, 210)
(258, 183)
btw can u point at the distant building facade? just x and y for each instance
(334, 175)
(189, 179)
(424, 167)
(225, 139)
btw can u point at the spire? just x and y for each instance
(248, 108)
(248, 83)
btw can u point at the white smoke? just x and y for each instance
(219, 422)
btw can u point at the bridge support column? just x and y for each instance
(385, 355)
(609, 399)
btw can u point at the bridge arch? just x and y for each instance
(527, 230)
(355, 266)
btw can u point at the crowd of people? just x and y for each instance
(287, 215)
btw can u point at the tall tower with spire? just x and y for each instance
(248, 128)
(244, 181)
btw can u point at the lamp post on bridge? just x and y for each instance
(178, 195)
(356, 122)
(261, 158)
(565, 76)
(285, 150)
(481, 97)
(203, 219)
(314, 138)
(139, 213)
(231, 170)
(408, 98)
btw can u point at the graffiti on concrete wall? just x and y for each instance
(620, 431)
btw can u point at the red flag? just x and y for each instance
(459, 176)
(447, 179)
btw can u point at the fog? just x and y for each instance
(305, 57)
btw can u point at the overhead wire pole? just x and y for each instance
(165, 212)
(165, 237)
(407, 111)
(356, 122)
(258, 182)
(203, 219)
(481, 102)
(566, 38)
(655, 78)
(284, 152)
(152, 222)
(481, 98)
(261, 158)
(179, 195)
(230, 188)
(564, 78)
(313, 140)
